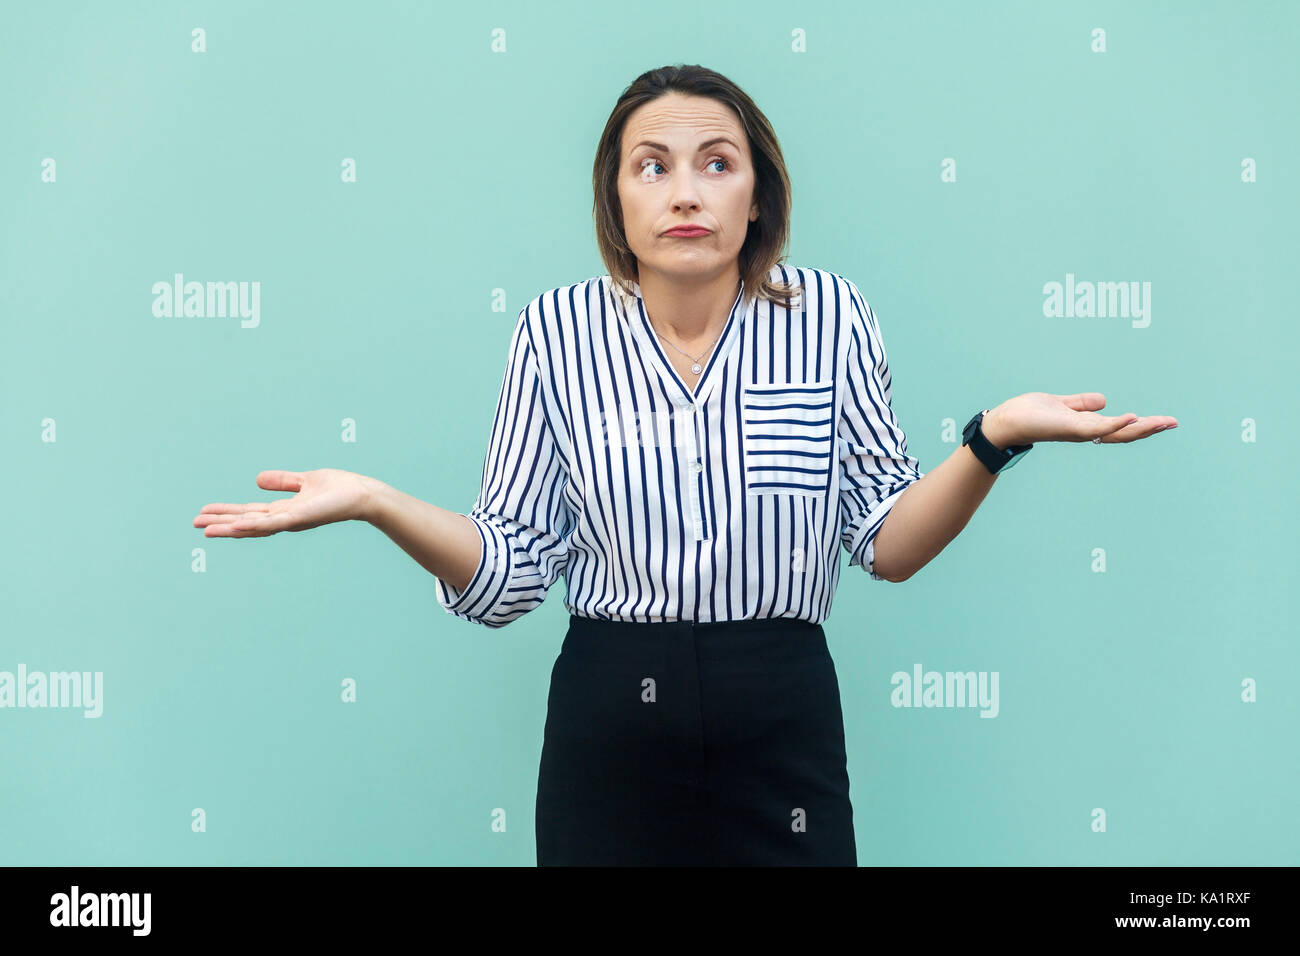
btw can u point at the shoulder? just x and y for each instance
(853, 302)
(545, 314)
(564, 300)
(822, 286)
(811, 278)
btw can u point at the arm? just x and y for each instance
(492, 565)
(933, 511)
(875, 468)
(496, 563)
(444, 543)
(896, 519)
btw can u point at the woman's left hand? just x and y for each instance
(1039, 416)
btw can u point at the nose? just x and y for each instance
(686, 198)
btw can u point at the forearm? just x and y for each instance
(933, 511)
(444, 543)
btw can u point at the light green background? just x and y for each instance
(1118, 690)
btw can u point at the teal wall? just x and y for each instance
(1128, 596)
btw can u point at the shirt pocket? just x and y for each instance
(789, 433)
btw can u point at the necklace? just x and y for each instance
(696, 368)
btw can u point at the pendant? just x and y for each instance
(696, 368)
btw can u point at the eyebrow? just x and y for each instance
(701, 148)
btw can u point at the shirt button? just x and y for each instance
(697, 467)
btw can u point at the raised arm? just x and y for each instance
(492, 565)
(520, 521)
(446, 544)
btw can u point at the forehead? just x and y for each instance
(674, 119)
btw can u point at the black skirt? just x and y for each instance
(684, 744)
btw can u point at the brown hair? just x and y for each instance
(765, 242)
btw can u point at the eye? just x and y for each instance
(650, 162)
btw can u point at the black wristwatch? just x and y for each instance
(995, 459)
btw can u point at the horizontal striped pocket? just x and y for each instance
(789, 433)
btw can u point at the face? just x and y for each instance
(673, 173)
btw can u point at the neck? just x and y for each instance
(689, 310)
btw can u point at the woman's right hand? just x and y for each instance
(323, 496)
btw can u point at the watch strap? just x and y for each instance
(994, 458)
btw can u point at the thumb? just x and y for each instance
(280, 480)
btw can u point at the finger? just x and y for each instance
(223, 530)
(254, 533)
(280, 480)
(219, 513)
(232, 509)
(1150, 426)
(209, 521)
(1138, 428)
(250, 510)
(1106, 427)
(228, 530)
(264, 523)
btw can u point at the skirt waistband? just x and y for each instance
(715, 640)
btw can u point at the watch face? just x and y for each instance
(1013, 459)
(969, 430)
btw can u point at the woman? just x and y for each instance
(689, 440)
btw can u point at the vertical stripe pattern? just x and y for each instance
(659, 502)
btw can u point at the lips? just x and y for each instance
(688, 231)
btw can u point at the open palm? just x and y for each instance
(323, 496)
(1042, 416)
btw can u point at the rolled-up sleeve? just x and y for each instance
(875, 467)
(520, 511)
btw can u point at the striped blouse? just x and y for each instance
(662, 503)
